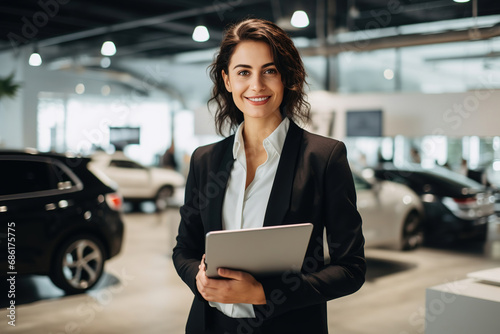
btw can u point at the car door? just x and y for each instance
(373, 209)
(132, 178)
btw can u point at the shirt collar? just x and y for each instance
(276, 139)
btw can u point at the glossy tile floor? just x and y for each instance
(141, 293)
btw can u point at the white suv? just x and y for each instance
(137, 182)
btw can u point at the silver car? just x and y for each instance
(392, 213)
(139, 183)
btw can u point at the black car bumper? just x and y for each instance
(442, 225)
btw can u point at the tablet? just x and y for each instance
(259, 251)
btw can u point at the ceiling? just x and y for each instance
(157, 28)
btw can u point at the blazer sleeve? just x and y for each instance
(345, 273)
(190, 245)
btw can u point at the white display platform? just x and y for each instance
(488, 276)
(467, 306)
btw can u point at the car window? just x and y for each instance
(42, 176)
(125, 164)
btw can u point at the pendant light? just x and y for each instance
(299, 19)
(35, 58)
(201, 34)
(108, 49)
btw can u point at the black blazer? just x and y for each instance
(313, 184)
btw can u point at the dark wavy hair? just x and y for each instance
(287, 61)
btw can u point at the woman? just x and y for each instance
(270, 172)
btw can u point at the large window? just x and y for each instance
(82, 125)
(440, 68)
(432, 68)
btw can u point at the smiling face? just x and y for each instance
(254, 80)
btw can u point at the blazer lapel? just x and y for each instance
(217, 184)
(281, 192)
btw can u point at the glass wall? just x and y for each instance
(434, 69)
(480, 157)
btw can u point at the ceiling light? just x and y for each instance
(200, 34)
(299, 19)
(108, 48)
(389, 74)
(461, 1)
(35, 59)
(105, 62)
(496, 166)
(80, 88)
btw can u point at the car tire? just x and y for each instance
(413, 233)
(162, 196)
(78, 264)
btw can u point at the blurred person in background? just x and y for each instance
(168, 158)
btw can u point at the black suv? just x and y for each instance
(57, 218)
(455, 206)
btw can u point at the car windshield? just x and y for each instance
(454, 177)
(446, 175)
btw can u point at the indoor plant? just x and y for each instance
(8, 88)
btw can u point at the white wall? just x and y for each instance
(41, 79)
(414, 114)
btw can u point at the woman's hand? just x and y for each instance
(237, 287)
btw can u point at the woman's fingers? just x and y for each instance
(236, 287)
(202, 279)
(234, 274)
(202, 263)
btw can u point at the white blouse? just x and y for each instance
(245, 208)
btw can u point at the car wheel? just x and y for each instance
(161, 200)
(413, 233)
(78, 264)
